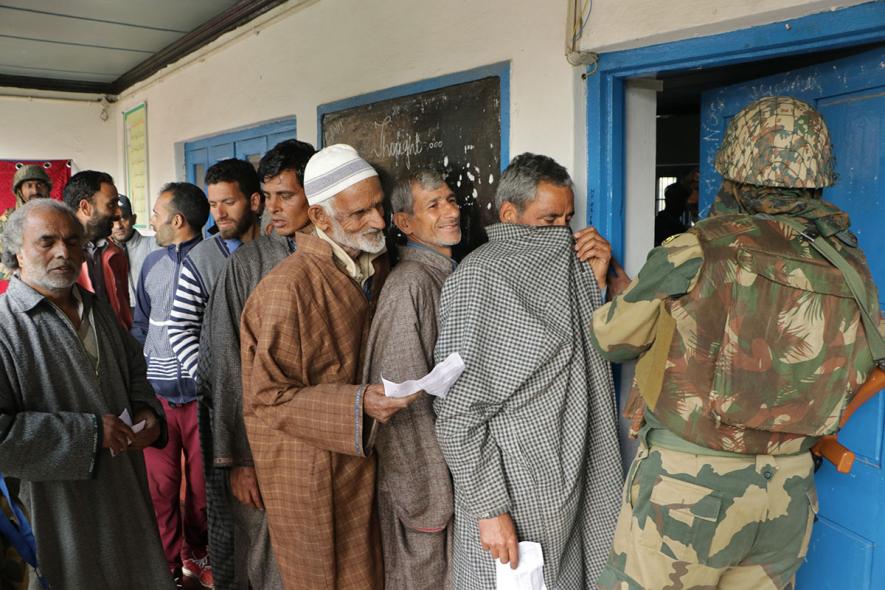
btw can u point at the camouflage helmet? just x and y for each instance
(777, 141)
(30, 172)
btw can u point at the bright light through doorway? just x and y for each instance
(663, 183)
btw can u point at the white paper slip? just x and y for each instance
(530, 573)
(437, 382)
(127, 420)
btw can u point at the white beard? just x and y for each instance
(371, 241)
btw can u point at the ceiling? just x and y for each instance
(104, 46)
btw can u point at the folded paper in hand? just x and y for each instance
(530, 573)
(437, 382)
(127, 420)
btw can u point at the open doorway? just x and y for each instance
(847, 86)
(678, 130)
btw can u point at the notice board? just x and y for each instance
(456, 124)
(135, 142)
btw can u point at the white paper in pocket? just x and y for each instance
(530, 573)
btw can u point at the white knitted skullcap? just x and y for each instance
(333, 169)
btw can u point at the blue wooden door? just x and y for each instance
(847, 549)
(247, 144)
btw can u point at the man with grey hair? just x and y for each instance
(307, 415)
(67, 371)
(529, 431)
(414, 487)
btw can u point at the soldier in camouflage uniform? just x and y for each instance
(29, 182)
(750, 345)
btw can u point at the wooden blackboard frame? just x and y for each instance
(501, 70)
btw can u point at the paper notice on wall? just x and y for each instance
(530, 573)
(437, 382)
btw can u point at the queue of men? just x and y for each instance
(256, 366)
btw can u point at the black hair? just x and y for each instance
(286, 155)
(190, 201)
(234, 170)
(84, 185)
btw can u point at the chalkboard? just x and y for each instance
(455, 129)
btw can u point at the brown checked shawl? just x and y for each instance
(302, 335)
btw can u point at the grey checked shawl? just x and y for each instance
(530, 428)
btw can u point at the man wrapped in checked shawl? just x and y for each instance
(529, 431)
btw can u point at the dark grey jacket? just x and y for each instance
(92, 514)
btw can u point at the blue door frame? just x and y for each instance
(864, 23)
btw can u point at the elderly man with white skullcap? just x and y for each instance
(307, 417)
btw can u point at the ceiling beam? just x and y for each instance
(237, 15)
(54, 84)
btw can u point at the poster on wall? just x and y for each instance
(59, 172)
(135, 145)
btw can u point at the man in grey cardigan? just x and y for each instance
(281, 171)
(67, 371)
(414, 487)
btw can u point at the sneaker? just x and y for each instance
(199, 568)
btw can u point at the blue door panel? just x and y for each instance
(854, 572)
(860, 162)
(847, 549)
(221, 151)
(247, 144)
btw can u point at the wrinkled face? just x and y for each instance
(33, 189)
(123, 228)
(105, 210)
(358, 220)
(552, 205)
(161, 219)
(286, 203)
(52, 251)
(435, 218)
(234, 212)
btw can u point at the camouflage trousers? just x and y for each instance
(705, 522)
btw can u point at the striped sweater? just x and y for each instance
(160, 275)
(199, 271)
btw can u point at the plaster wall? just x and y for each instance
(41, 129)
(627, 24)
(309, 54)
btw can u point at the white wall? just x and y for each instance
(334, 49)
(38, 129)
(625, 24)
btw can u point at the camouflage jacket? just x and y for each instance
(748, 340)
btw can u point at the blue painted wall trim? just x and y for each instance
(605, 88)
(269, 128)
(500, 69)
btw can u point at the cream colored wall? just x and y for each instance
(626, 24)
(335, 49)
(36, 128)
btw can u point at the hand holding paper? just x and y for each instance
(530, 573)
(437, 382)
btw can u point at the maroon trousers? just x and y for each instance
(184, 534)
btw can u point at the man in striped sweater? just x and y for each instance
(178, 216)
(236, 204)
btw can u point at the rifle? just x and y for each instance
(829, 447)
